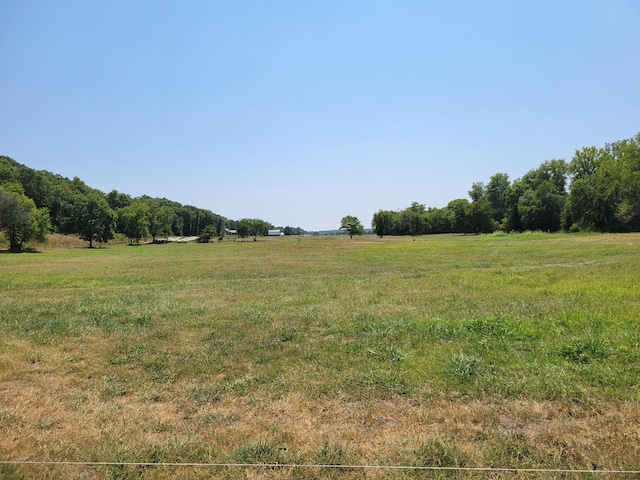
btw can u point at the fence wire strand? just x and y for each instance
(319, 466)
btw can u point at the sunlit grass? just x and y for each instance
(504, 350)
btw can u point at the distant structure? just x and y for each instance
(274, 233)
(228, 231)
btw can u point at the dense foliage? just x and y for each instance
(599, 190)
(71, 207)
(74, 207)
(21, 220)
(351, 225)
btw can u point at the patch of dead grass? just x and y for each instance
(49, 417)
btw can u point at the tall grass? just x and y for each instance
(513, 351)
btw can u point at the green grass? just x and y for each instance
(504, 350)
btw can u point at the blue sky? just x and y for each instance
(302, 112)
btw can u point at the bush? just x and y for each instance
(207, 234)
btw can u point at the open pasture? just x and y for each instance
(517, 351)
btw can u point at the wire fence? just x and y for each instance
(320, 466)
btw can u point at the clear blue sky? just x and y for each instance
(302, 112)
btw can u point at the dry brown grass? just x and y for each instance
(51, 426)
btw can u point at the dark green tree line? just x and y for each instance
(75, 208)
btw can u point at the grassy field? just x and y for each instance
(517, 351)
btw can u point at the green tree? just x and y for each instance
(480, 220)
(605, 188)
(479, 212)
(21, 221)
(418, 207)
(382, 222)
(117, 200)
(477, 191)
(288, 230)
(133, 221)
(628, 210)
(459, 212)
(9, 171)
(35, 186)
(160, 220)
(207, 234)
(252, 227)
(351, 225)
(415, 221)
(94, 219)
(438, 220)
(496, 194)
(541, 204)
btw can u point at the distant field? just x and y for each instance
(518, 351)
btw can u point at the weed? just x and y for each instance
(584, 350)
(385, 382)
(436, 452)
(286, 334)
(203, 395)
(259, 452)
(331, 454)
(219, 419)
(113, 387)
(143, 320)
(463, 367)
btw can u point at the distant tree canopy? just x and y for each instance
(605, 189)
(599, 190)
(74, 207)
(252, 227)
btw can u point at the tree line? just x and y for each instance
(34, 203)
(598, 190)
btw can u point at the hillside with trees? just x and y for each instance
(598, 190)
(35, 202)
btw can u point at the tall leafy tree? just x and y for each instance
(479, 216)
(496, 194)
(94, 220)
(537, 200)
(628, 210)
(133, 221)
(438, 220)
(477, 191)
(21, 220)
(459, 212)
(351, 225)
(382, 222)
(160, 220)
(479, 213)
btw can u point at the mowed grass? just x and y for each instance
(518, 351)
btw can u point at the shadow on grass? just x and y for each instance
(24, 250)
